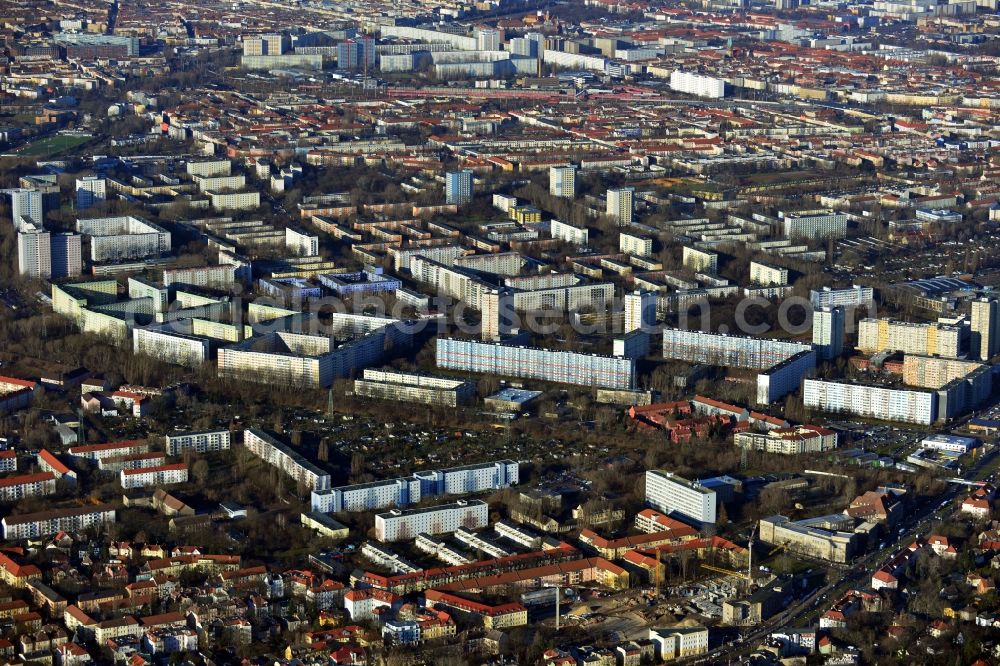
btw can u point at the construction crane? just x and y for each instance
(729, 572)
(778, 548)
(657, 573)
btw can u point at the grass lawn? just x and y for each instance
(51, 146)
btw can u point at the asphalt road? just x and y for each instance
(856, 575)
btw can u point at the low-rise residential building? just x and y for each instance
(651, 520)
(977, 507)
(161, 475)
(16, 575)
(207, 441)
(8, 460)
(877, 505)
(48, 462)
(759, 606)
(116, 464)
(498, 616)
(43, 523)
(615, 548)
(15, 488)
(680, 642)
(789, 441)
(360, 604)
(95, 452)
(16, 394)
(324, 525)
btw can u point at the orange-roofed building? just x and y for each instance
(48, 462)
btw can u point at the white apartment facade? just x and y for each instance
(165, 345)
(700, 261)
(90, 191)
(34, 253)
(208, 441)
(16, 488)
(275, 453)
(401, 492)
(220, 183)
(767, 275)
(696, 84)
(368, 496)
(562, 181)
(123, 237)
(814, 224)
(851, 296)
(160, 475)
(828, 332)
(579, 236)
(621, 205)
(43, 523)
(549, 365)
(235, 200)
(406, 387)
(95, 452)
(26, 203)
(402, 525)
(639, 311)
(670, 493)
(887, 404)
(209, 168)
(789, 441)
(300, 243)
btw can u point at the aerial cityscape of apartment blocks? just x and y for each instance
(500, 333)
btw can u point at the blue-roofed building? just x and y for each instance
(984, 426)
